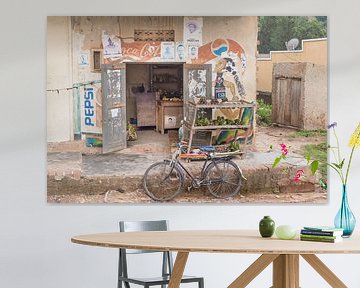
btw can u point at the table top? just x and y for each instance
(217, 241)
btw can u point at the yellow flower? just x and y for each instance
(355, 138)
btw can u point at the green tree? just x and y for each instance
(276, 30)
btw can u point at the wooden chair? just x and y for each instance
(167, 262)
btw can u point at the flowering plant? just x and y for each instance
(339, 163)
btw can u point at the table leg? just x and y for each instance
(178, 270)
(253, 270)
(324, 271)
(286, 271)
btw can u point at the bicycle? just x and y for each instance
(164, 180)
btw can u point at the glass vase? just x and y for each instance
(345, 219)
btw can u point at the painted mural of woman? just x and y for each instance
(225, 69)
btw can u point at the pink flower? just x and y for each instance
(299, 174)
(284, 149)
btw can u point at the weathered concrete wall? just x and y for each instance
(313, 51)
(59, 76)
(243, 30)
(86, 35)
(316, 103)
(313, 102)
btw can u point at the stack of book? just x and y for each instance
(321, 234)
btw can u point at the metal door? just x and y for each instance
(197, 83)
(113, 107)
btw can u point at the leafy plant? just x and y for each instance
(308, 133)
(316, 158)
(234, 146)
(319, 152)
(276, 30)
(202, 121)
(264, 113)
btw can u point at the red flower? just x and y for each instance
(299, 174)
(284, 149)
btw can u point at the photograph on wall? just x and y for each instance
(159, 110)
(180, 51)
(168, 50)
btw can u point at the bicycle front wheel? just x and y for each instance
(223, 178)
(163, 181)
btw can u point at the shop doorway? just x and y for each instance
(152, 97)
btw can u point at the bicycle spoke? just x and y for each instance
(162, 182)
(224, 178)
(234, 184)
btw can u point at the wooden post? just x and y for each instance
(253, 270)
(324, 271)
(178, 269)
(286, 271)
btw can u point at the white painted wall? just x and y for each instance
(59, 76)
(35, 248)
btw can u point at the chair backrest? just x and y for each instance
(134, 226)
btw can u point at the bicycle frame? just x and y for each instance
(207, 162)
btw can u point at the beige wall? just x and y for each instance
(314, 51)
(243, 30)
(59, 76)
(87, 36)
(316, 97)
(69, 37)
(313, 103)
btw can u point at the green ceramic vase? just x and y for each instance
(266, 226)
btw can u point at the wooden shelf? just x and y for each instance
(190, 123)
(214, 127)
(223, 105)
(166, 82)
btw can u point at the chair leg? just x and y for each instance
(201, 283)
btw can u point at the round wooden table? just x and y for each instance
(284, 254)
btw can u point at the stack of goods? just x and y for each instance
(321, 234)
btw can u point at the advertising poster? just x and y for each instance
(90, 108)
(193, 31)
(111, 45)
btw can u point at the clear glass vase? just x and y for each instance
(345, 219)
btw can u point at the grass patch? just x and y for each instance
(319, 152)
(308, 133)
(264, 113)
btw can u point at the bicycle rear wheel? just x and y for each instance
(223, 178)
(163, 181)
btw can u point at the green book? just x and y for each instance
(324, 228)
(326, 240)
(319, 236)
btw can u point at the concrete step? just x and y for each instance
(122, 173)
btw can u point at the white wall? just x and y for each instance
(59, 68)
(35, 248)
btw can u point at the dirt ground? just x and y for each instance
(275, 135)
(265, 136)
(113, 196)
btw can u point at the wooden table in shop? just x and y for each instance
(284, 254)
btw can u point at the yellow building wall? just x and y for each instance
(314, 51)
